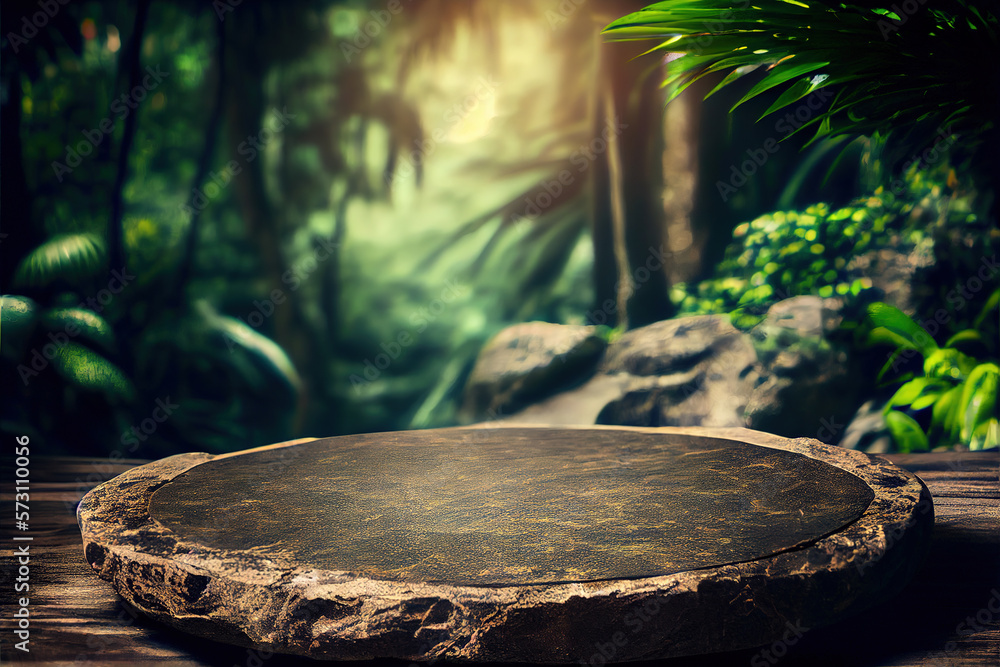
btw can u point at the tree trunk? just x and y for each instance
(19, 235)
(637, 123)
(247, 114)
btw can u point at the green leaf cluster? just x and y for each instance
(235, 386)
(953, 400)
(890, 74)
(791, 253)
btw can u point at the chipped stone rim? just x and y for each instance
(278, 605)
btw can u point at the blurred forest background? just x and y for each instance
(229, 224)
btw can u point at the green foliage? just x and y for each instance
(62, 368)
(65, 260)
(89, 370)
(234, 387)
(890, 74)
(89, 325)
(18, 317)
(77, 342)
(791, 253)
(952, 399)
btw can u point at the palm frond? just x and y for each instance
(887, 74)
(69, 257)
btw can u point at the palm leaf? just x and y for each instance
(259, 360)
(899, 328)
(86, 324)
(18, 316)
(979, 400)
(944, 412)
(991, 304)
(85, 368)
(70, 257)
(906, 432)
(891, 79)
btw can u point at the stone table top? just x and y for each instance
(505, 507)
(517, 544)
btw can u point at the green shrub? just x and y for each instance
(792, 253)
(953, 399)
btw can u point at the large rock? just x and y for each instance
(868, 431)
(895, 271)
(811, 386)
(527, 362)
(787, 376)
(692, 371)
(917, 276)
(509, 545)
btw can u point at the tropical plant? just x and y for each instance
(894, 74)
(952, 399)
(817, 250)
(66, 364)
(790, 253)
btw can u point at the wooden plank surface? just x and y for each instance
(948, 615)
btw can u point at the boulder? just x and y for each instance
(811, 386)
(691, 371)
(525, 363)
(787, 376)
(868, 430)
(895, 271)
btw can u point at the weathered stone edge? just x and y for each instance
(269, 602)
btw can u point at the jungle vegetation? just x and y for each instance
(231, 224)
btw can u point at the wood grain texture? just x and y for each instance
(79, 619)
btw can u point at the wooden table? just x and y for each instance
(943, 617)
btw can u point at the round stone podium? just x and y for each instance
(513, 543)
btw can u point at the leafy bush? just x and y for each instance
(67, 363)
(791, 253)
(954, 397)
